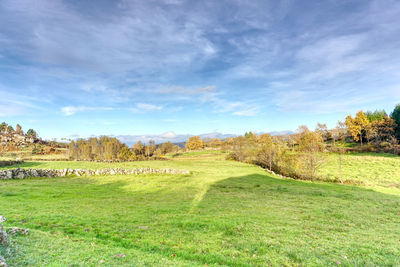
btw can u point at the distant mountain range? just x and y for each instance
(180, 139)
(279, 133)
(168, 136)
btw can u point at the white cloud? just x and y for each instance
(137, 36)
(148, 107)
(168, 135)
(94, 87)
(71, 110)
(246, 112)
(12, 104)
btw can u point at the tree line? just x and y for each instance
(279, 154)
(375, 127)
(106, 148)
(300, 155)
(8, 129)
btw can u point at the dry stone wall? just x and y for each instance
(20, 173)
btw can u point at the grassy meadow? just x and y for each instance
(224, 213)
(370, 169)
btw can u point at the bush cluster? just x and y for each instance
(299, 158)
(107, 148)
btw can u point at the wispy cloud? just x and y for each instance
(12, 104)
(184, 58)
(148, 107)
(248, 112)
(71, 110)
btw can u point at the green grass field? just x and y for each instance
(372, 169)
(224, 213)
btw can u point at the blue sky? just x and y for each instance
(70, 68)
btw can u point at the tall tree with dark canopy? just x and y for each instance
(396, 117)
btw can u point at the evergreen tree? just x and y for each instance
(396, 117)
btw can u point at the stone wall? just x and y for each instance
(20, 173)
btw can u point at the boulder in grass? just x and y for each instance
(17, 230)
(3, 234)
(3, 237)
(3, 262)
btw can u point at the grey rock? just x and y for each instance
(3, 237)
(3, 262)
(17, 230)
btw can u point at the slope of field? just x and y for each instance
(224, 213)
(371, 169)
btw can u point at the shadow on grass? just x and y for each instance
(112, 214)
(27, 164)
(373, 154)
(257, 184)
(283, 210)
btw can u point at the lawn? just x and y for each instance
(224, 213)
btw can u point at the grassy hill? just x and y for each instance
(370, 169)
(225, 213)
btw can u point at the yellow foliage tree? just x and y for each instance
(267, 151)
(194, 143)
(357, 126)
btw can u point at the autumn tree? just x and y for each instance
(357, 126)
(215, 143)
(310, 146)
(384, 129)
(166, 148)
(125, 153)
(138, 148)
(73, 150)
(150, 149)
(110, 148)
(339, 132)
(323, 131)
(240, 148)
(194, 143)
(267, 150)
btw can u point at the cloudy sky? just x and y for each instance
(71, 68)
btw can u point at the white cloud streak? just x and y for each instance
(148, 107)
(72, 110)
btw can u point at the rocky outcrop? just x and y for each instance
(20, 173)
(16, 139)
